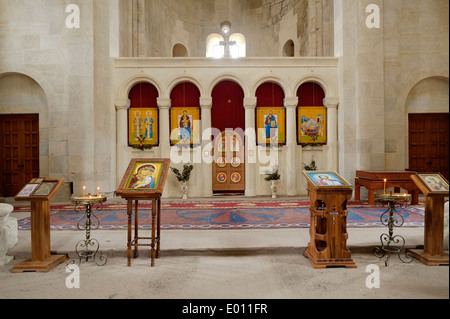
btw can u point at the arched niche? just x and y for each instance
(21, 94)
(179, 51)
(288, 49)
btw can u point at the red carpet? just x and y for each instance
(221, 215)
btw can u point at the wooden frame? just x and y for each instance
(326, 179)
(434, 182)
(39, 188)
(271, 125)
(144, 122)
(144, 177)
(311, 125)
(185, 126)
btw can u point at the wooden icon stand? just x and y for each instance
(144, 179)
(328, 227)
(39, 192)
(433, 252)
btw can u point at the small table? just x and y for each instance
(82, 247)
(387, 219)
(374, 181)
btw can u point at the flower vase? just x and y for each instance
(184, 190)
(274, 188)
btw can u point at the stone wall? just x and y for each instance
(155, 26)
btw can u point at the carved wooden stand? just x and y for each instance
(433, 252)
(328, 230)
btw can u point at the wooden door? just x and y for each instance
(228, 167)
(428, 143)
(19, 146)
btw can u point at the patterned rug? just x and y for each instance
(222, 215)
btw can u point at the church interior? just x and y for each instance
(245, 97)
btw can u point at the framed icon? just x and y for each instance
(435, 182)
(144, 176)
(185, 126)
(326, 179)
(271, 125)
(27, 190)
(39, 189)
(143, 126)
(311, 125)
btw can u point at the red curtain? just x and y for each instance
(310, 94)
(143, 95)
(227, 106)
(185, 94)
(269, 94)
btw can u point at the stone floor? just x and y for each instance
(225, 264)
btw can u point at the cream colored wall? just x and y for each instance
(381, 72)
(71, 67)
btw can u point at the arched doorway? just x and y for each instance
(23, 132)
(228, 118)
(428, 126)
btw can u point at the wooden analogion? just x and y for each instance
(435, 188)
(144, 180)
(328, 194)
(39, 191)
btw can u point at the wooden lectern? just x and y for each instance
(328, 194)
(39, 191)
(144, 179)
(435, 189)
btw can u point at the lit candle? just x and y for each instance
(84, 191)
(385, 185)
(98, 191)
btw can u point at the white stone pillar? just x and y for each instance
(122, 106)
(331, 103)
(164, 126)
(205, 107)
(290, 103)
(250, 146)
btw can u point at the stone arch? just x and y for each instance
(179, 80)
(122, 93)
(281, 82)
(21, 93)
(429, 95)
(329, 90)
(228, 77)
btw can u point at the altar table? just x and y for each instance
(374, 180)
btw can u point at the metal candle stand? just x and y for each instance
(387, 219)
(89, 247)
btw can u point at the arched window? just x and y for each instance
(215, 46)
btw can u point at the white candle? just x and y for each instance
(98, 191)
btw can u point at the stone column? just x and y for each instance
(250, 146)
(331, 103)
(122, 106)
(292, 174)
(207, 146)
(164, 126)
